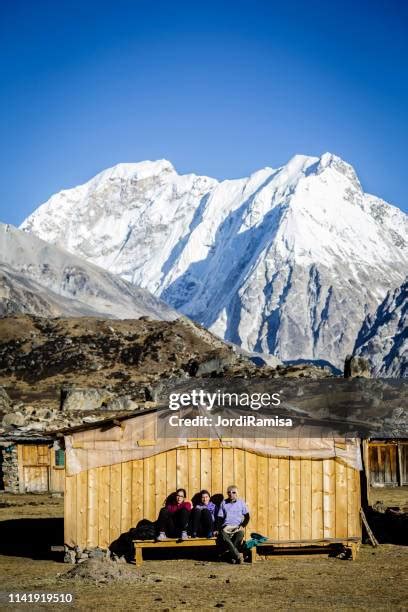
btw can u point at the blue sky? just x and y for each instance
(218, 88)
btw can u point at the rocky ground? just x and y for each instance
(377, 580)
(38, 355)
(60, 371)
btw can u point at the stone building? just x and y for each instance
(31, 464)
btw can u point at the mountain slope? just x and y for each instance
(288, 261)
(383, 339)
(39, 278)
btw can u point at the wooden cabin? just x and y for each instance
(386, 470)
(32, 465)
(119, 473)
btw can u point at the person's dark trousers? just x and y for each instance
(232, 542)
(201, 522)
(173, 523)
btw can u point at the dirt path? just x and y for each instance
(377, 580)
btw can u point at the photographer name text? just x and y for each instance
(240, 421)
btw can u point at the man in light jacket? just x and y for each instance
(233, 517)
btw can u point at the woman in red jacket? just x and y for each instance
(173, 518)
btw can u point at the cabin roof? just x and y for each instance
(111, 421)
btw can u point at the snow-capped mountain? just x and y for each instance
(288, 261)
(383, 339)
(41, 279)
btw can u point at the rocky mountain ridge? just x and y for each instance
(41, 279)
(383, 339)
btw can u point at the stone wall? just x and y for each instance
(79, 555)
(10, 468)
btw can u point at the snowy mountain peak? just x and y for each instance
(137, 171)
(287, 261)
(335, 163)
(300, 164)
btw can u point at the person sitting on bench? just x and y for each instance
(174, 517)
(233, 516)
(203, 517)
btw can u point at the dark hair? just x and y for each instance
(204, 492)
(183, 491)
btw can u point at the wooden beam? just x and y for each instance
(310, 542)
(169, 543)
(400, 475)
(370, 534)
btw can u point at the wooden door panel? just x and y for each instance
(35, 479)
(383, 465)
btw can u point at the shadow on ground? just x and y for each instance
(389, 527)
(32, 537)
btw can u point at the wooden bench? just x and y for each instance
(351, 544)
(169, 543)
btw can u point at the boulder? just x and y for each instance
(215, 366)
(5, 403)
(356, 367)
(43, 413)
(34, 426)
(69, 557)
(120, 403)
(76, 399)
(13, 419)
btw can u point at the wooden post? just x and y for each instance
(370, 534)
(400, 475)
(138, 556)
(365, 477)
(21, 483)
(355, 547)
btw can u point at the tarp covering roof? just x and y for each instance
(136, 438)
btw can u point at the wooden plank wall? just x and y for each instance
(35, 479)
(383, 460)
(37, 470)
(403, 459)
(57, 475)
(34, 455)
(387, 463)
(288, 498)
(34, 472)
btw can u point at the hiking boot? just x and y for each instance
(161, 537)
(184, 535)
